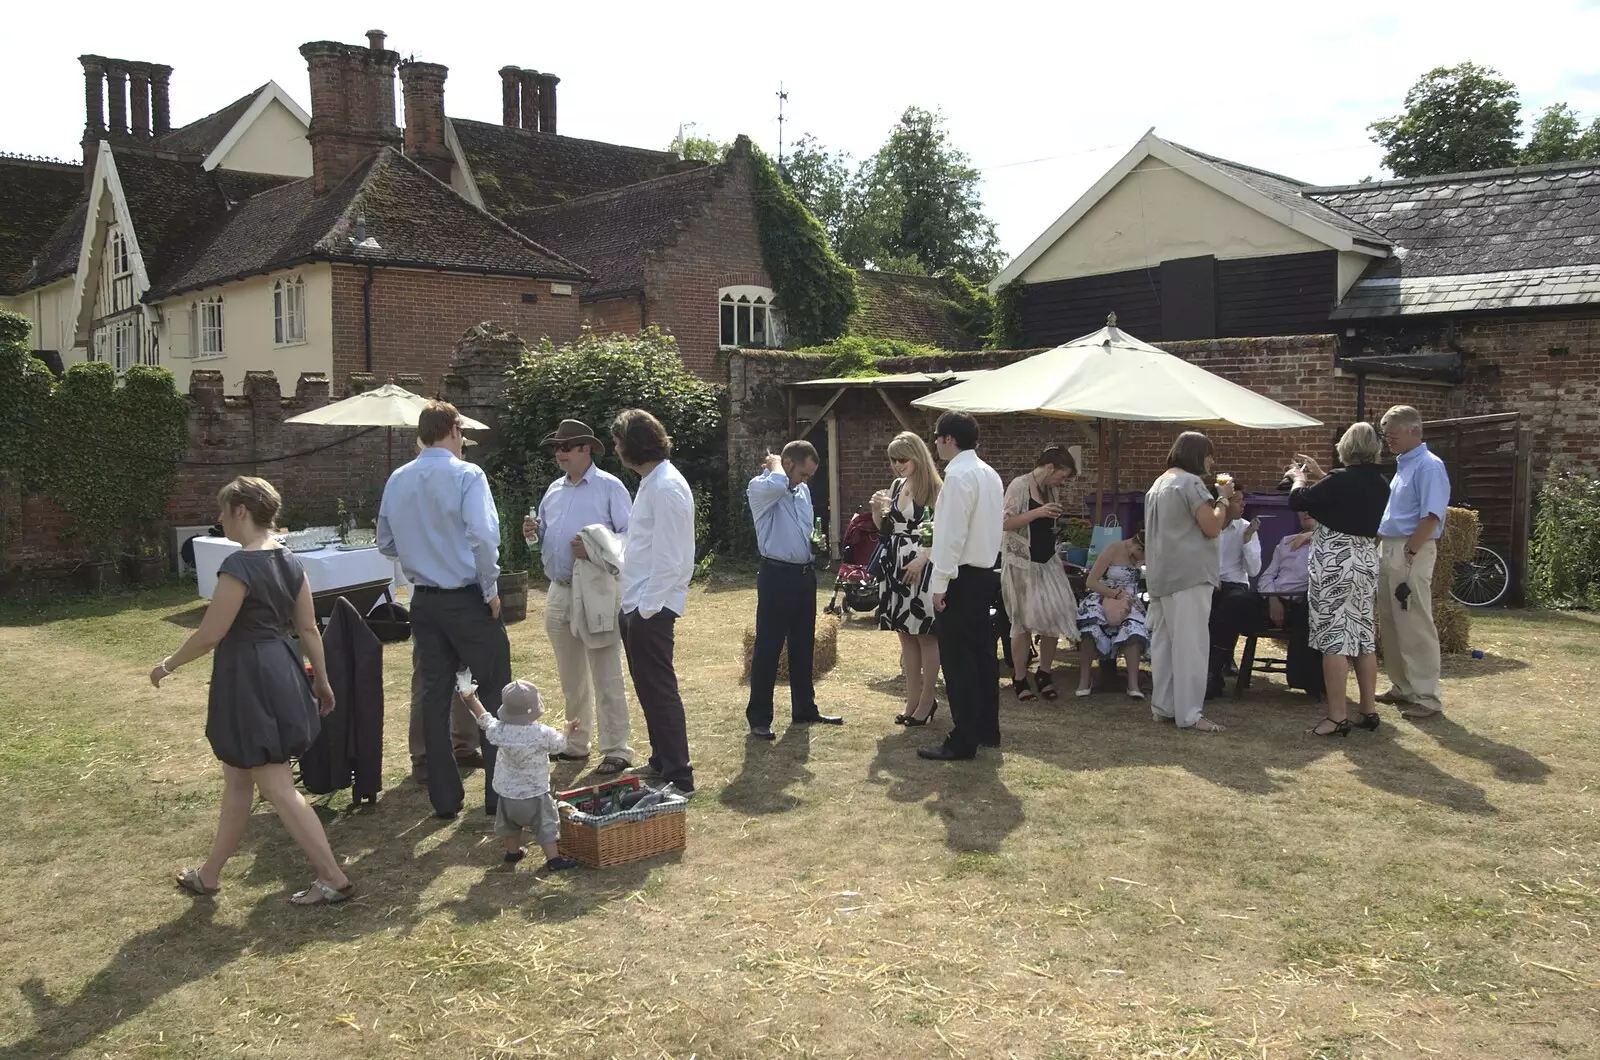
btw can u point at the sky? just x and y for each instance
(1043, 97)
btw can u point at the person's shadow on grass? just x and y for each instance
(977, 809)
(768, 770)
(1511, 764)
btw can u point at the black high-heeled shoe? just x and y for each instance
(1340, 728)
(914, 722)
(1370, 722)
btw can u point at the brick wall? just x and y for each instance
(613, 314)
(418, 316)
(719, 247)
(1296, 370)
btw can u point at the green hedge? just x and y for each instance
(1564, 568)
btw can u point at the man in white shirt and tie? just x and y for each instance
(1233, 605)
(655, 588)
(967, 523)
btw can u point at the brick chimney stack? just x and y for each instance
(117, 90)
(547, 102)
(352, 106)
(139, 99)
(510, 97)
(528, 99)
(160, 106)
(424, 133)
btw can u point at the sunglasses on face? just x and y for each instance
(567, 447)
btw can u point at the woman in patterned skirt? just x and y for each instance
(1348, 504)
(1033, 582)
(905, 603)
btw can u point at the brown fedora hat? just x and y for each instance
(575, 432)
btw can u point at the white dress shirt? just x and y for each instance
(967, 520)
(1238, 560)
(660, 551)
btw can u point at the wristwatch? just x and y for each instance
(1409, 550)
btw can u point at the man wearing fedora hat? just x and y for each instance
(591, 673)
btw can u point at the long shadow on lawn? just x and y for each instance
(768, 769)
(977, 809)
(192, 945)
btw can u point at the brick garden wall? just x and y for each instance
(718, 248)
(418, 316)
(613, 314)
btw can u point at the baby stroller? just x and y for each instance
(853, 580)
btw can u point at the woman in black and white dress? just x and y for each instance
(1347, 504)
(905, 603)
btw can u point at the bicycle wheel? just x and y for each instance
(1481, 580)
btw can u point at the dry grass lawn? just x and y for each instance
(1105, 888)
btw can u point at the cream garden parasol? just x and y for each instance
(387, 406)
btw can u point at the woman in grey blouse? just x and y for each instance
(1181, 523)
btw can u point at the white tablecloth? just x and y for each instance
(328, 568)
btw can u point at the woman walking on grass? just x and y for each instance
(261, 712)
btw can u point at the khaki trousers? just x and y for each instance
(1180, 650)
(591, 678)
(463, 727)
(1407, 636)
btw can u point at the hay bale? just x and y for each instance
(1454, 623)
(824, 653)
(1460, 538)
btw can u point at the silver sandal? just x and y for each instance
(324, 894)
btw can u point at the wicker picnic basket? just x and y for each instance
(613, 839)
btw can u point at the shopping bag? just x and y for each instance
(1100, 538)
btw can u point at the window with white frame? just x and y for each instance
(119, 272)
(748, 317)
(289, 311)
(207, 328)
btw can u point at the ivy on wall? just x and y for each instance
(1005, 331)
(815, 288)
(857, 357)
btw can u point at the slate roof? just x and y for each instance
(201, 137)
(610, 232)
(1291, 193)
(414, 219)
(518, 170)
(1388, 296)
(38, 197)
(1456, 224)
(912, 308)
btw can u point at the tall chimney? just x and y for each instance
(424, 133)
(547, 102)
(139, 83)
(117, 98)
(530, 100)
(510, 97)
(352, 106)
(94, 121)
(160, 107)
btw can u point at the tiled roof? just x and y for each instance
(518, 170)
(1475, 292)
(414, 220)
(37, 197)
(1537, 217)
(610, 232)
(910, 308)
(201, 137)
(1290, 193)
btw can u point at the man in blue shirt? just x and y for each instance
(1419, 499)
(438, 519)
(591, 673)
(786, 588)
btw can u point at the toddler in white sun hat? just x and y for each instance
(522, 771)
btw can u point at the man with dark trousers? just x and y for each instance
(786, 589)
(438, 519)
(967, 525)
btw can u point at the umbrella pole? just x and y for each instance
(1100, 490)
(1116, 452)
(389, 431)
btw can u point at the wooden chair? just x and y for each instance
(1250, 663)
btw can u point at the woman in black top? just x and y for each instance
(1347, 504)
(1033, 581)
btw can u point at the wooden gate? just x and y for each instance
(1491, 470)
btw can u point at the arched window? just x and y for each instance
(748, 316)
(289, 311)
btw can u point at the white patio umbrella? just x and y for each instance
(387, 406)
(1110, 375)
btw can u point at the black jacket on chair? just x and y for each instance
(349, 750)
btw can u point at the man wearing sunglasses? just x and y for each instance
(590, 667)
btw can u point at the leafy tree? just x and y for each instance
(698, 148)
(1557, 137)
(913, 206)
(1457, 118)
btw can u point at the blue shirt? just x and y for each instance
(598, 497)
(783, 517)
(438, 519)
(1420, 488)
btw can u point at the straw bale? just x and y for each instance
(1461, 531)
(1454, 623)
(824, 654)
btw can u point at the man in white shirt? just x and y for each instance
(967, 523)
(655, 588)
(1233, 605)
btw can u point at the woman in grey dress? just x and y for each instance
(262, 711)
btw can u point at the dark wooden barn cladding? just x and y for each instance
(1061, 310)
(1290, 294)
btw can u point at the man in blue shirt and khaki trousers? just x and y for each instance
(1413, 522)
(786, 588)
